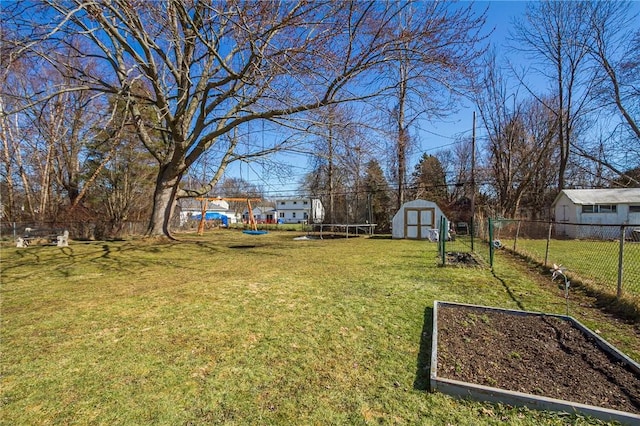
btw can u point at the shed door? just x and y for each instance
(418, 222)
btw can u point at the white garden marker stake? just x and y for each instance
(558, 270)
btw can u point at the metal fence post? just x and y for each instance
(515, 240)
(546, 251)
(472, 230)
(491, 248)
(442, 239)
(620, 262)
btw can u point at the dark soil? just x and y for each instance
(540, 355)
(461, 259)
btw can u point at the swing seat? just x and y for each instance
(252, 232)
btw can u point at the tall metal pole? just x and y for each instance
(620, 263)
(473, 180)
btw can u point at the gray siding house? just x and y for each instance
(615, 206)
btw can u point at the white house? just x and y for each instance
(261, 214)
(615, 206)
(299, 210)
(418, 220)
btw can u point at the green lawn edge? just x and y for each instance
(229, 328)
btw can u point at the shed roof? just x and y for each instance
(602, 196)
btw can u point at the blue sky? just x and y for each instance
(441, 134)
(433, 136)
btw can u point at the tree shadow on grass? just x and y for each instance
(423, 363)
(509, 291)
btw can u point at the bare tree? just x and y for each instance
(457, 166)
(327, 145)
(67, 123)
(430, 71)
(456, 163)
(21, 191)
(360, 150)
(211, 67)
(9, 157)
(44, 143)
(614, 42)
(520, 139)
(521, 157)
(554, 35)
(339, 152)
(240, 189)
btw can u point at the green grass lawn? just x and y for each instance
(594, 262)
(235, 329)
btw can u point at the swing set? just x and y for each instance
(252, 220)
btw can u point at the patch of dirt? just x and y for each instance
(461, 259)
(540, 355)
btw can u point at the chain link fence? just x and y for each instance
(94, 230)
(603, 257)
(78, 230)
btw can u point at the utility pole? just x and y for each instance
(473, 180)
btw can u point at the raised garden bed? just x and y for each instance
(549, 362)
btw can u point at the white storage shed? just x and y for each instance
(418, 220)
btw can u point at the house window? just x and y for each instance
(634, 209)
(601, 208)
(306, 216)
(282, 203)
(608, 208)
(295, 202)
(293, 215)
(305, 202)
(282, 215)
(588, 209)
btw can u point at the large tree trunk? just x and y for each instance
(220, 74)
(164, 201)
